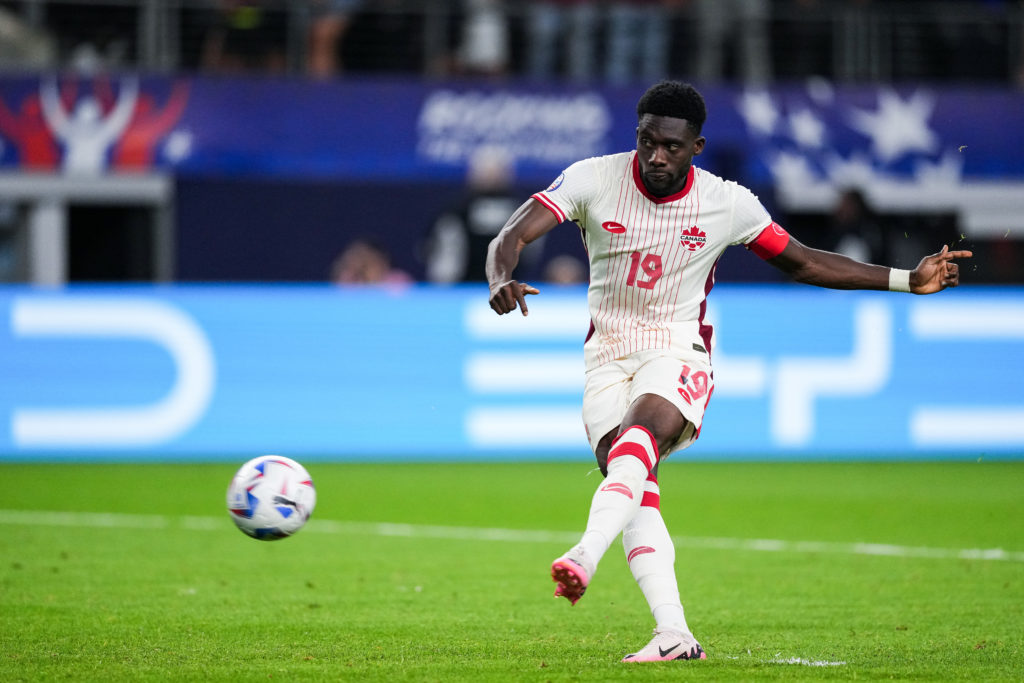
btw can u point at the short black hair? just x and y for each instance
(674, 99)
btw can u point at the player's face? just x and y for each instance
(665, 148)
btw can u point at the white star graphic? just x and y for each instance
(792, 169)
(947, 172)
(821, 91)
(807, 129)
(897, 127)
(855, 171)
(759, 112)
(178, 145)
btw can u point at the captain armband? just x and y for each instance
(770, 242)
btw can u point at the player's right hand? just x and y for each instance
(936, 272)
(506, 296)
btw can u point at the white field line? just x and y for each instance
(778, 659)
(465, 533)
(804, 662)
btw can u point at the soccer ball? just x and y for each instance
(271, 497)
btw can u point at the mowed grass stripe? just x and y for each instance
(465, 533)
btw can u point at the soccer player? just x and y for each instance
(654, 226)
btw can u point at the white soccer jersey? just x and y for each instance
(652, 259)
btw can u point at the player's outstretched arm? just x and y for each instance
(530, 221)
(835, 271)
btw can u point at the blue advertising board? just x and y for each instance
(420, 373)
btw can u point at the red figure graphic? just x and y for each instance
(37, 149)
(136, 148)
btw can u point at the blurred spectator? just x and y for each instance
(742, 25)
(1018, 66)
(385, 37)
(21, 46)
(484, 43)
(245, 35)
(804, 32)
(94, 39)
(638, 39)
(457, 243)
(328, 23)
(1006, 260)
(854, 230)
(568, 24)
(565, 270)
(365, 262)
(974, 48)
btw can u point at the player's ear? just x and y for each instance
(698, 145)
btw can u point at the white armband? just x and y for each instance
(899, 280)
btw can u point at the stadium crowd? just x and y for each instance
(613, 40)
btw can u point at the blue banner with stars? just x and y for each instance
(394, 128)
(910, 149)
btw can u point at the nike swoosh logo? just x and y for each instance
(662, 653)
(640, 550)
(618, 488)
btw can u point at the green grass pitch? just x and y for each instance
(439, 572)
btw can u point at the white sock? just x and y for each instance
(617, 499)
(651, 556)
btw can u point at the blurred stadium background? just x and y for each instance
(231, 228)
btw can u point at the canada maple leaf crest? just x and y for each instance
(694, 238)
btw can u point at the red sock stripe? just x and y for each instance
(615, 449)
(654, 442)
(651, 500)
(634, 449)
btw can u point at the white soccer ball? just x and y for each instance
(271, 497)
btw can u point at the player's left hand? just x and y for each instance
(936, 272)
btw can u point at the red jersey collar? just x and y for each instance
(659, 200)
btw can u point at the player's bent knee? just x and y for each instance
(638, 442)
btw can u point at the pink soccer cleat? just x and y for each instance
(666, 646)
(571, 572)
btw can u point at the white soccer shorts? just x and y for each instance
(612, 387)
